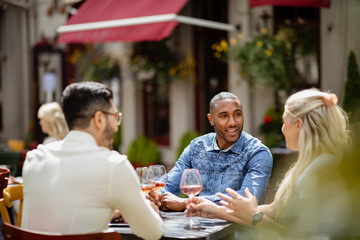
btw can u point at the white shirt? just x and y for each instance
(73, 186)
(48, 140)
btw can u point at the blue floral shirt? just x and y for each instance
(246, 164)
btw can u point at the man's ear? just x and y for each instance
(210, 119)
(98, 120)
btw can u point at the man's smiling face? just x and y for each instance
(227, 118)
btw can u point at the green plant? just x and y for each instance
(186, 138)
(271, 128)
(102, 68)
(94, 65)
(263, 60)
(117, 139)
(143, 152)
(351, 102)
(156, 60)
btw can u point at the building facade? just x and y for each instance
(30, 25)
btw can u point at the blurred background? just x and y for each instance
(164, 72)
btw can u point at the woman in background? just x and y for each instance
(311, 200)
(52, 122)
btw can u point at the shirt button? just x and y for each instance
(216, 172)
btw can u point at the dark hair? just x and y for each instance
(80, 101)
(220, 96)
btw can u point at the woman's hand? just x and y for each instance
(242, 208)
(197, 206)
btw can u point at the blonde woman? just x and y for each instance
(52, 122)
(310, 200)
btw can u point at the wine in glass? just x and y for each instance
(190, 184)
(146, 175)
(160, 176)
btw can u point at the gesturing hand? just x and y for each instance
(201, 207)
(238, 206)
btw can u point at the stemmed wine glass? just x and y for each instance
(160, 176)
(190, 184)
(146, 176)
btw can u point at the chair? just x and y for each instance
(11, 194)
(4, 179)
(12, 232)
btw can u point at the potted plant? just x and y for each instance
(143, 152)
(93, 65)
(351, 102)
(186, 138)
(271, 128)
(156, 60)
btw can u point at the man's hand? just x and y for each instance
(154, 206)
(171, 202)
(154, 197)
(167, 201)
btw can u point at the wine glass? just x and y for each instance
(146, 176)
(160, 176)
(190, 184)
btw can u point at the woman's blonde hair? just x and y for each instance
(54, 116)
(324, 130)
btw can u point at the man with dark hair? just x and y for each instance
(75, 185)
(227, 158)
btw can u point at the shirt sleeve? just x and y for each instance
(256, 178)
(174, 176)
(127, 197)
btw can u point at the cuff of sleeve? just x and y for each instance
(215, 199)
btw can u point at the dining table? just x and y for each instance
(176, 227)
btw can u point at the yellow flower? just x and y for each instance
(190, 60)
(172, 71)
(219, 48)
(184, 73)
(214, 46)
(264, 31)
(268, 52)
(259, 44)
(217, 55)
(223, 43)
(181, 65)
(75, 56)
(233, 41)
(239, 36)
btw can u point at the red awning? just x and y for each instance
(106, 13)
(291, 3)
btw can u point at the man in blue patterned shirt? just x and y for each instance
(227, 158)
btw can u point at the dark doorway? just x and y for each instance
(211, 73)
(304, 25)
(43, 54)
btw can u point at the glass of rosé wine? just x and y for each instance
(190, 184)
(160, 176)
(146, 175)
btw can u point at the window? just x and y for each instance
(302, 25)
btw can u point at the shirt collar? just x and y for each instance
(80, 136)
(236, 147)
(217, 148)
